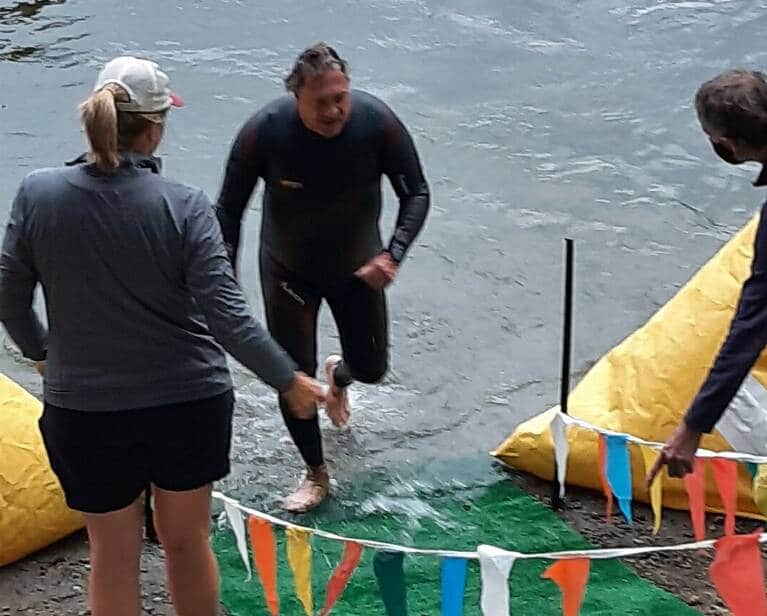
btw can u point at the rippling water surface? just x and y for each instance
(535, 120)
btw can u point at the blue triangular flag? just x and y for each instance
(619, 472)
(453, 585)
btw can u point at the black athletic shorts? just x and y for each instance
(104, 460)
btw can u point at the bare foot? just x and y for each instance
(313, 490)
(337, 398)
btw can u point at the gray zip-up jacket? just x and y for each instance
(140, 294)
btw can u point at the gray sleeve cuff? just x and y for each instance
(29, 334)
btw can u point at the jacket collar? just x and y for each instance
(128, 160)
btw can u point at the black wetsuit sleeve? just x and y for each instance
(403, 168)
(244, 167)
(18, 279)
(743, 345)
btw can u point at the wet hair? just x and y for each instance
(314, 61)
(110, 130)
(735, 103)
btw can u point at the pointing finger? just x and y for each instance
(656, 468)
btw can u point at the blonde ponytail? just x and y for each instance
(99, 117)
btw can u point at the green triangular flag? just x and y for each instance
(752, 469)
(391, 581)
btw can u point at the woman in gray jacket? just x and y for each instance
(141, 304)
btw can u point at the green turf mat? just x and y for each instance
(500, 514)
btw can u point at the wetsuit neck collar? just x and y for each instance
(316, 136)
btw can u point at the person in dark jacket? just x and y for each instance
(141, 305)
(732, 109)
(321, 152)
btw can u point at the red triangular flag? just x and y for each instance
(738, 575)
(603, 477)
(571, 576)
(340, 577)
(726, 477)
(695, 484)
(265, 559)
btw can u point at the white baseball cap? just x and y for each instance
(144, 83)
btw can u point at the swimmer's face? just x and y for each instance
(324, 103)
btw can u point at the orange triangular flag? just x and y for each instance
(265, 559)
(340, 577)
(738, 575)
(695, 484)
(726, 477)
(603, 477)
(571, 576)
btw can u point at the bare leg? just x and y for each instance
(183, 527)
(115, 548)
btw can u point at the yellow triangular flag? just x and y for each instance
(300, 561)
(656, 489)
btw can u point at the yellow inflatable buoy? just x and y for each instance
(644, 386)
(33, 513)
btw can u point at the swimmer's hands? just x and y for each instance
(303, 396)
(678, 453)
(379, 272)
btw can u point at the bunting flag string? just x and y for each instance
(743, 592)
(592, 554)
(376, 545)
(701, 453)
(614, 466)
(736, 571)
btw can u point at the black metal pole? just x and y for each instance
(567, 329)
(567, 334)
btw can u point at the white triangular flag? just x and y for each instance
(238, 526)
(495, 566)
(561, 450)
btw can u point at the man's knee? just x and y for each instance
(371, 373)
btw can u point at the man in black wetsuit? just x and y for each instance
(321, 152)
